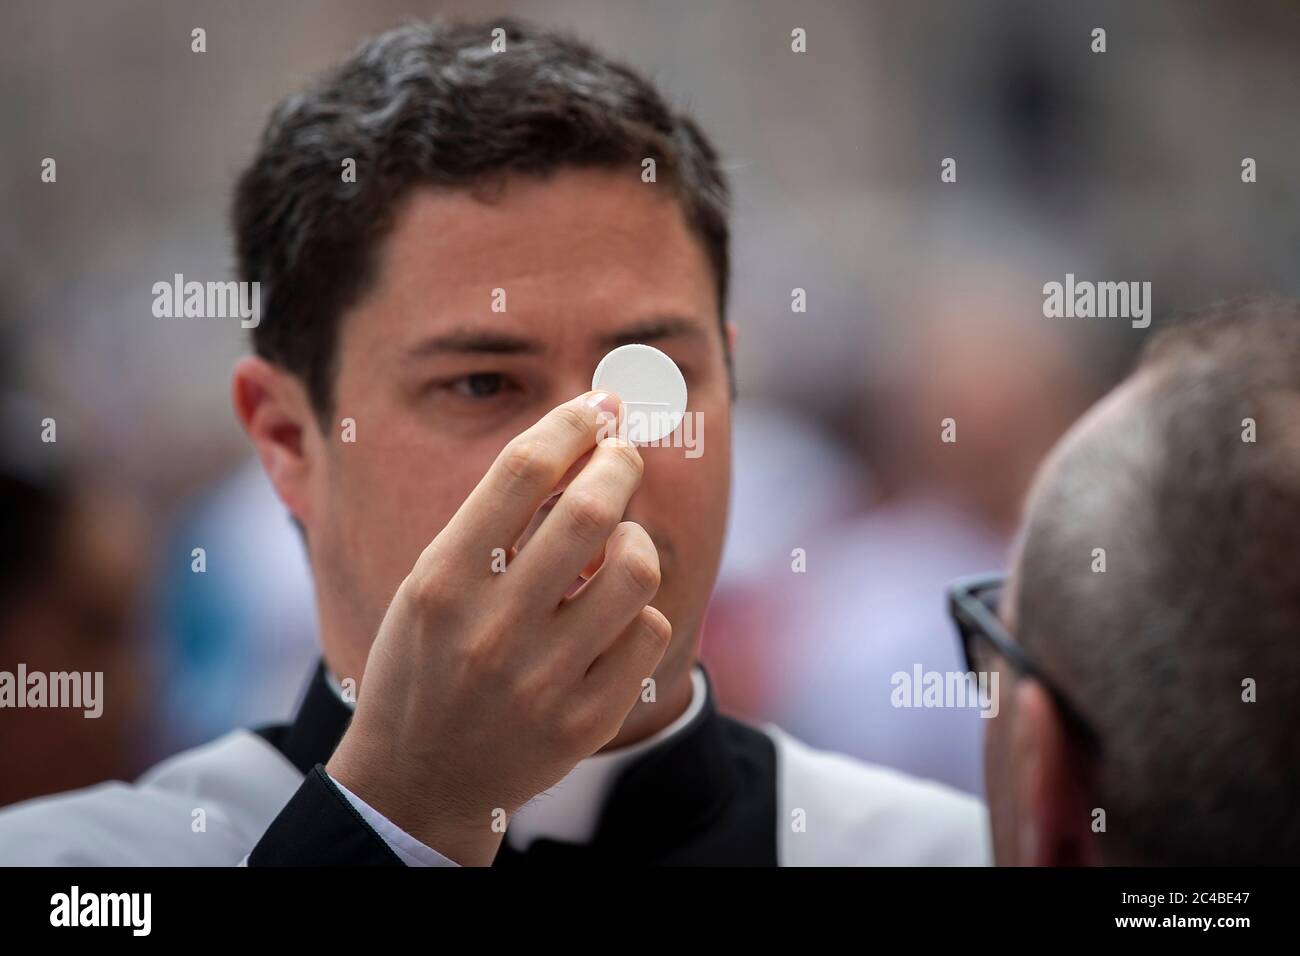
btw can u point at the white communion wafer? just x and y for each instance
(651, 387)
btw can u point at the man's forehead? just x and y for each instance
(527, 218)
(581, 254)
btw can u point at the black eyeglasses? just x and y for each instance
(973, 604)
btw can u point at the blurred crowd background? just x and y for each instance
(924, 302)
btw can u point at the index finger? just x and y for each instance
(525, 473)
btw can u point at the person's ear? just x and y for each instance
(732, 334)
(1055, 821)
(275, 412)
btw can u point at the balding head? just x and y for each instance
(1199, 530)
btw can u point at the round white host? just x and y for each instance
(652, 389)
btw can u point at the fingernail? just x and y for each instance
(604, 401)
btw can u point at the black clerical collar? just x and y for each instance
(705, 794)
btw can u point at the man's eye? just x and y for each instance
(479, 385)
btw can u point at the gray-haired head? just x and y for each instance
(1188, 479)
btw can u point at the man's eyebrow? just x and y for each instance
(474, 341)
(651, 330)
(491, 342)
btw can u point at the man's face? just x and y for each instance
(438, 381)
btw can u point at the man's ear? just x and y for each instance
(1055, 825)
(732, 334)
(272, 406)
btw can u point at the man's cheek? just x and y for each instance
(669, 500)
(390, 507)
